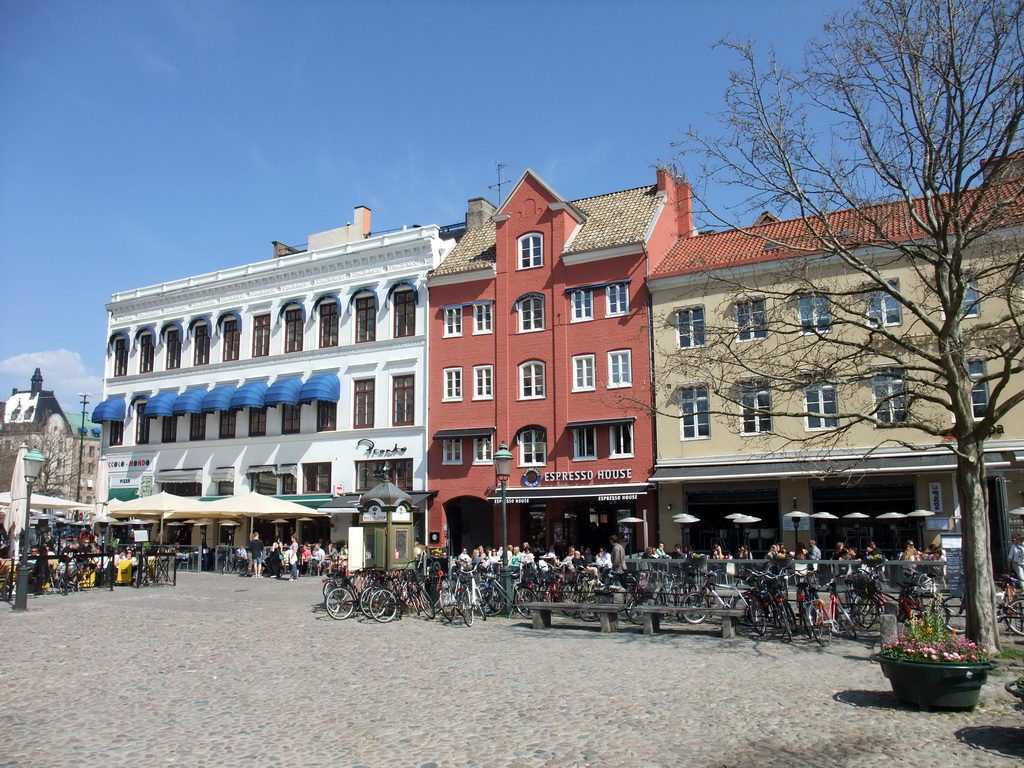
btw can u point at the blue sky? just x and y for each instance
(148, 141)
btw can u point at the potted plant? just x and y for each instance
(931, 666)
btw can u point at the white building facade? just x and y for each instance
(299, 377)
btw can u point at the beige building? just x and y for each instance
(784, 383)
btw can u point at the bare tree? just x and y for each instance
(891, 147)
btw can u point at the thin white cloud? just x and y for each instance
(63, 372)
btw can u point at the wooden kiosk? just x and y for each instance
(385, 514)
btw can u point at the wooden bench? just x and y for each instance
(608, 613)
(652, 614)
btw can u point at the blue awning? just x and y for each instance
(111, 409)
(189, 401)
(327, 297)
(284, 392)
(160, 404)
(326, 386)
(237, 317)
(360, 291)
(219, 398)
(142, 330)
(405, 284)
(172, 326)
(297, 303)
(526, 296)
(251, 395)
(118, 335)
(201, 320)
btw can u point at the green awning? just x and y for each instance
(122, 494)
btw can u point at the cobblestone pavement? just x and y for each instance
(227, 671)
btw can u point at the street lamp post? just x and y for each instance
(502, 470)
(33, 463)
(81, 446)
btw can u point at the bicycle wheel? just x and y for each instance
(758, 616)
(466, 608)
(694, 600)
(340, 603)
(957, 614)
(842, 622)
(494, 602)
(784, 619)
(424, 604)
(818, 625)
(383, 605)
(446, 604)
(1015, 616)
(521, 599)
(634, 616)
(867, 612)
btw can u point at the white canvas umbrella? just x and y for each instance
(159, 504)
(254, 505)
(39, 500)
(15, 518)
(824, 516)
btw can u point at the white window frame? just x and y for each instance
(483, 318)
(694, 420)
(582, 300)
(584, 443)
(452, 384)
(483, 382)
(538, 455)
(451, 450)
(620, 368)
(883, 308)
(692, 318)
(972, 300)
(889, 389)
(979, 393)
(532, 380)
(755, 395)
(814, 313)
(531, 251)
(452, 321)
(584, 373)
(618, 437)
(617, 299)
(821, 399)
(531, 314)
(751, 319)
(483, 450)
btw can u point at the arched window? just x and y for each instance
(531, 251)
(119, 344)
(531, 380)
(366, 316)
(533, 446)
(531, 312)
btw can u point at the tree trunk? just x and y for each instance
(978, 572)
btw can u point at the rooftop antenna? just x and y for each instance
(500, 167)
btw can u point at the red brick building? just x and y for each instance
(540, 338)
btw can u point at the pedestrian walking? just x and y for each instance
(294, 549)
(256, 555)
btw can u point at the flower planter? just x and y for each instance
(934, 684)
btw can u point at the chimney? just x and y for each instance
(37, 382)
(479, 212)
(678, 195)
(361, 223)
(280, 249)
